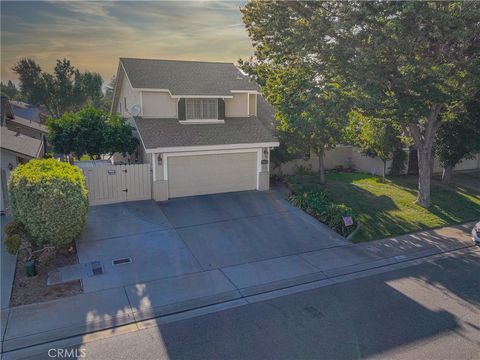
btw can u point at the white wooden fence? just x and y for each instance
(118, 183)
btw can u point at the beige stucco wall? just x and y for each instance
(345, 156)
(237, 106)
(339, 156)
(464, 165)
(127, 93)
(158, 105)
(252, 104)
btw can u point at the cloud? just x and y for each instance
(94, 34)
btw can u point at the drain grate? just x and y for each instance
(122, 261)
(97, 268)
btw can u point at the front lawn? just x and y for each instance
(389, 209)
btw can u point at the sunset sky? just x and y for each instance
(93, 35)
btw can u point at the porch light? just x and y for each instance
(159, 159)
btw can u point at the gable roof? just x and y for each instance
(186, 77)
(20, 144)
(28, 123)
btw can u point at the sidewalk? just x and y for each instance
(29, 325)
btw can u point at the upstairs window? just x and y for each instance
(201, 109)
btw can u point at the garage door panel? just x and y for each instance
(210, 174)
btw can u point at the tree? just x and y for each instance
(9, 90)
(67, 89)
(92, 132)
(376, 137)
(458, 139)
(308, 108)
(405, 61)
(119, 137)
(31, 82)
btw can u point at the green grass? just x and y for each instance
(389, 209)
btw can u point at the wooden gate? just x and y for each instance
(118, 183)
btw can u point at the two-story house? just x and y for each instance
(202, 126)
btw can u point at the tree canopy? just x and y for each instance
(404, 61)
(91, 132)
(67, 89)
(459, 138)
(375, 137)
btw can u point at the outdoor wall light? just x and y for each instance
(159, 159)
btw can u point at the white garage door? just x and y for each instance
(210, 174)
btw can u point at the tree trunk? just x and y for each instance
(424, 177)
(447, 175)
(321, 166)
(424, 142)
(384, 169)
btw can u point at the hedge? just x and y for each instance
(50, 199)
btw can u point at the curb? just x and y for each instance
(207, 305)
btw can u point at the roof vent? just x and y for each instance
(239, 76)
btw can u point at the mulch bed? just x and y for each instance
(29, 290)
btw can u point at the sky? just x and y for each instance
(93, 35)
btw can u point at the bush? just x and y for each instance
(14, 227)
(309, 199)
(317, 203)
(50, 199)
(332, 215)
(13, 243)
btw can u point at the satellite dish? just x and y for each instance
(135, 110)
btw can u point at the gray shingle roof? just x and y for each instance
(20, 144)
(31, 124)
(159, 133)
(186, 77)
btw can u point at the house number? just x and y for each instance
(111, 172)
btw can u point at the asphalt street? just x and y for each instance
(428, 311)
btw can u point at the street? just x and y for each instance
(428, 311)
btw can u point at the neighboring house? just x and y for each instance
(21, 140)
(203, 126)
(38, 114)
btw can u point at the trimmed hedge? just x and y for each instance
(50, 199)
(316, 202)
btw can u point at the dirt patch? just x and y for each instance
(29, 290)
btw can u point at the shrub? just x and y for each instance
(50, 199)
(14, 227)
(332, 215)
(316, 202)
(13, 243)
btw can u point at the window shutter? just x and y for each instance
(221, 109)
(181, 109)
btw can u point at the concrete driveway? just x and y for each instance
(235, 228)
(195, 234)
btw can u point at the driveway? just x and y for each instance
(195, 234)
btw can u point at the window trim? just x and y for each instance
(202, 100)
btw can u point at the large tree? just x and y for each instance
(459, 138)
(309, 109)
(67, 89)
(408, 61)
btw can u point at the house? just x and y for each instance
(202, 126)
(21, 140)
